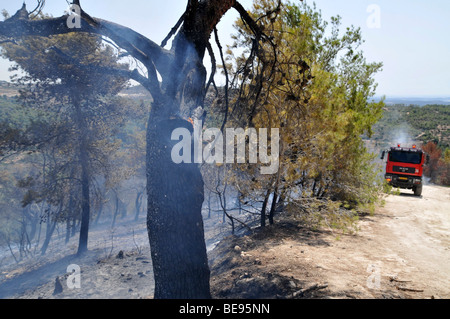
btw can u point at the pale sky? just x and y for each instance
(410, 37)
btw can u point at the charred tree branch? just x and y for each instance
(139, 47)
(227, 80)
(248, 19)
(213, 70)
(134, 74)
(173, 31)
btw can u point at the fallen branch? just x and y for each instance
(302, 292)
(396, 280)
(408, 289)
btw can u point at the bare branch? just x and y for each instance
(213, 70)
(227, 81)
(38, 9)
(248, 19)
(134, 74)
(8, 41)
(173, 31)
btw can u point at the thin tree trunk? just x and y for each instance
(223, 204)
(8, 242)
(209, 204)
(51, 225)
(67, 230)
(85, 205)
(239, 195)
(314, 187)
(137, 205)
(264, 207)
(85, 190)
(100, 210)
(48, 235)
(68, 219)
(123, 209)
(116, 209)
(33, 220)
(73, 227)
(273, 206)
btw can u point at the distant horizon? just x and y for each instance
(413, 96)
(446, 98)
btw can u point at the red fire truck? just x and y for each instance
(404, 167)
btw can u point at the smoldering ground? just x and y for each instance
(117, 265)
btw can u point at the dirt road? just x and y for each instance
(405, 246)
(417, 237)
(402, 251)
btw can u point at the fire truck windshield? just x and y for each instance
(405, 157)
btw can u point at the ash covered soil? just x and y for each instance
(118, 265)
(402, 251)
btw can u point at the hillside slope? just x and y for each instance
(414, 124)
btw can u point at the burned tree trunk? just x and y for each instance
(85, 206)
(174, 222)
(264, 208)
(83, 157)
(273, 206)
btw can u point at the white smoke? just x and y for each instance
(402, 135)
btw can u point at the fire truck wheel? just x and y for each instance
(417, 190)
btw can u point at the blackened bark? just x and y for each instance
(85, 205)
(264, 208)
(85, 189)
(68, 219)
(174, 220)
(67, 231)
(209, 204)
(273, 206)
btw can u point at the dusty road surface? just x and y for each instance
(402, 251)
(405, 246)
(417, 234)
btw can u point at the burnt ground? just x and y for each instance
(103, 274)
(402, 251)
